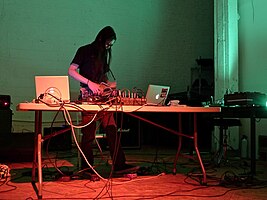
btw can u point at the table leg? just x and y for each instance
(252, 145)
(37, 157)
(197, 151)
(180, 134)
(40, 177)
(179, 144)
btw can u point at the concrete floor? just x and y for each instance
(229, 180)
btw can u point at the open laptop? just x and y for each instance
(157, 94)
(52, 89)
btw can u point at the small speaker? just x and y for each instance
(5, 102)
(129, 127)
(5, 122)
(58, 142)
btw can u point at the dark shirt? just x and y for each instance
(91, 63)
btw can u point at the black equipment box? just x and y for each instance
(245, 99)
(5, 102)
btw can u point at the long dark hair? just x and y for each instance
(107, 33)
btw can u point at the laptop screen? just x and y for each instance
(157, 94)
(52, 89)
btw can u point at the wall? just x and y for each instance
(158, 42)
(252, 54)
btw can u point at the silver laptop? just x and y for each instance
(52, 89)
(157, 94)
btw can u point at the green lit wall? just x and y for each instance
(253, 45)
(252, 55)
(158, 41)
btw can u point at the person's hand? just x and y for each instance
(112, 85)
(94, 87)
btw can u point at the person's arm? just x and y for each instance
(73, 72)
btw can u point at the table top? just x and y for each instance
(122, 108)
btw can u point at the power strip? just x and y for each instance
(4, 171)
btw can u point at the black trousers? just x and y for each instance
(88, 136)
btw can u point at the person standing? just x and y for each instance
(91, 67)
